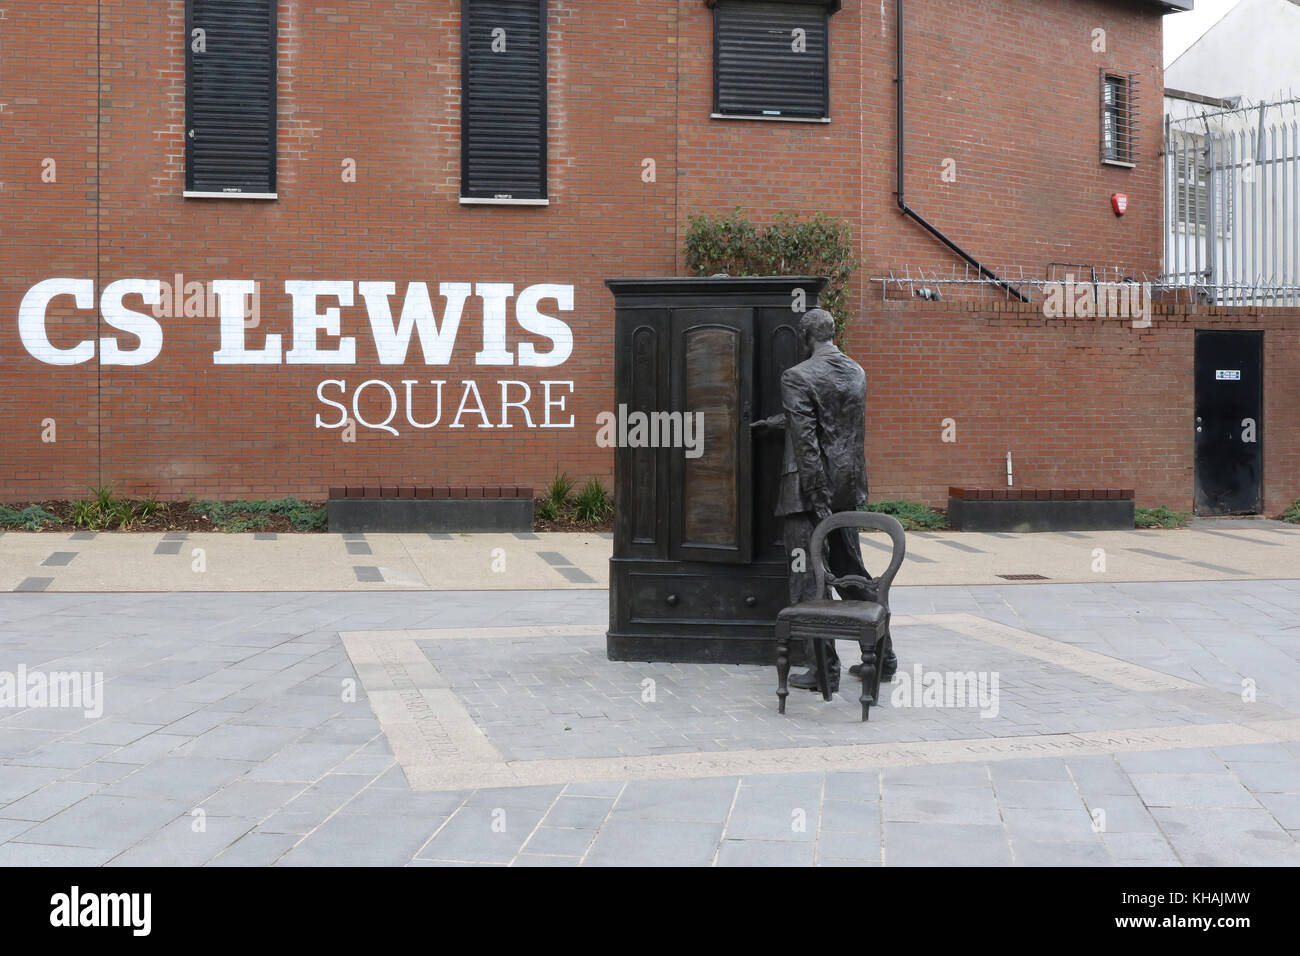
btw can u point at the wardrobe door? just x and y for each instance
(712, 403)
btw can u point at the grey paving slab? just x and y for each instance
(951, 805)
(1140, 849)
(383, 803)
(1230, 837)
(627, 841)
(850, 816)
(1050, 825)
(757, 853)
(148, 748)
(1171, 761)
(368, 574)
(255, 849)
(39, 854)
(106, 822)
(11, 828)
(17, 782)
(231, 741)
(302, 762)
(1030, 853)
(361, 841)
(1268, 777)
(526, 859)
(34, 584)
(1192, 790)
(946, 844)
(575, 575)
(303, 813)
(189, 841)
(482, 835)
(168, 547)
(555, 841)
(959, 546)
(570, 811)
(59, 559)
(1285, 808)
(834, 845)
(251, 798)
(1039, 794)
(49, 800)
(523, 798)
(706, 800)
(66, 754)
(1121, 814)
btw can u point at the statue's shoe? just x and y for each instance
(886, 674)
(808, 680)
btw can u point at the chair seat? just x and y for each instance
(832, 612)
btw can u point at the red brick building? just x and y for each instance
(270, 144)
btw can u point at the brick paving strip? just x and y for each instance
(317, 562)
(440, 747)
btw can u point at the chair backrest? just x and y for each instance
(859, 519)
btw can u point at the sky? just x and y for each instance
(1184, 29)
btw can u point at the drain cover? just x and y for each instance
(1023, 577)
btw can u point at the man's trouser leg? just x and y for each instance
(803, 586)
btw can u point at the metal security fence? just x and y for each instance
(1232, 205)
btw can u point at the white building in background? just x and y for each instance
(1232, 157)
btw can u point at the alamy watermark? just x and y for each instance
(1073, 299)
(638, 429)
(923, 688)
(82, 690)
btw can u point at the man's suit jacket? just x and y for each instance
(825, 402)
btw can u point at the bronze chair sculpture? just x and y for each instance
(825, 619)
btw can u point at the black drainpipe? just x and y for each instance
(902, 203)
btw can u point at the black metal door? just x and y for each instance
(1229, 373)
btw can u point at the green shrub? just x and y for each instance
(818, 246)
(592, 503)
(1160, 517)
(31, 518)
(85, 514)
(911, 516)
(237, 516)
(556, 496)
(1292, 514)
(104, 510)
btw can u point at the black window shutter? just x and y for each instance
(230, 96)
(503, 99)
(757, 69)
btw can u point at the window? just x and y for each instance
(503, 101)
(230, 50)
(770, 60)
(1118, 119)
(1197, 182)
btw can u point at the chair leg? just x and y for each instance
(823, 679)
(782, 674)
(870, 678)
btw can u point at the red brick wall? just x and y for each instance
(1078, 402)
(378, 82)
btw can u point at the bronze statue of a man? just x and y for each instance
(824, 470)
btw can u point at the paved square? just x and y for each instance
(1094, 724)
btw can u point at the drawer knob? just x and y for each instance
(672, 600)
(750, 600)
